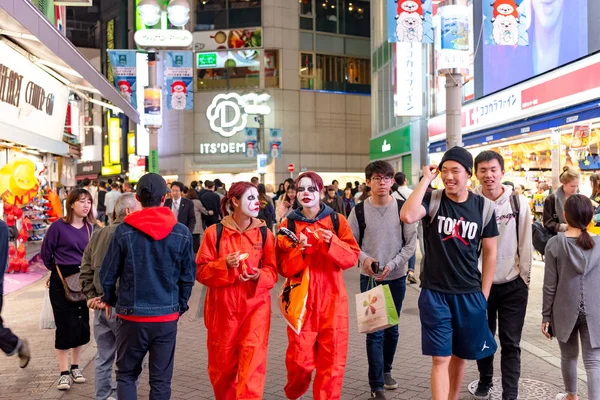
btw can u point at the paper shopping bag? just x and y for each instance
(292, 299)
(375, 309)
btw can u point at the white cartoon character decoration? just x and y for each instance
(505, 21)
(409, 21)
(178, 95)
(125, 89)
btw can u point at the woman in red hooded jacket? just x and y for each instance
(327, 250)
(236, 262)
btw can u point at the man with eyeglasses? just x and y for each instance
(382, 238)
(326, 248)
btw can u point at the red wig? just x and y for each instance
(312, 176)
(235, 191)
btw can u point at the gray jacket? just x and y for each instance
(571, 274)
(93, 256)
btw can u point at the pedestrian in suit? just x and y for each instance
(183, 209)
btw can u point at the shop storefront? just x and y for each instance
(41, 75)
(538, 126)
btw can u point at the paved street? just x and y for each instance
(540, 356)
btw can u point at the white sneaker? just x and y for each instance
(561, 396)
(64, 383)
(77, 376)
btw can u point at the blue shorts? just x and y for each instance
(455, 324)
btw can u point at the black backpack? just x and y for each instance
(540, 236)
(265, 214)
(263, 233)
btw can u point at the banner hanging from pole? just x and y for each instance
(123, 64)
(275, 143)
(179, 78)
(505, 23)
(409, 21)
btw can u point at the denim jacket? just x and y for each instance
(152, 257)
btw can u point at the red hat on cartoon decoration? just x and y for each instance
(124, 86)
(506, 8)
(410, 6)
(178, 86)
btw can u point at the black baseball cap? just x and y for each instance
(152, 183)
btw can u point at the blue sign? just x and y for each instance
(123, 63)
(275, 142)
(179, 78)
(251, 137)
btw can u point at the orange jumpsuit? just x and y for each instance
(323, 339)
(237, 314)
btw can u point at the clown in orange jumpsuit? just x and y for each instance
(237, 311)
(323, 340)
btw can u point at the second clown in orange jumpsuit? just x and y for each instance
(323, 340)
(237, 310)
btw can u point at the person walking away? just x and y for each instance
(402, 193)
(212, 202)
(101, 200)
(571, 297)
(349, 202)
(105, 327)
(182, 208)
(507, 302)
(336, 187)
(237, 308)
(323, 341)
(151, 256)
(199, 210)
(286, 204)
(10, 343)
(62, 251)
(334, 201)
(382, 238)
(267, 210)
(554, 205)
(458, 228)
(110, 200)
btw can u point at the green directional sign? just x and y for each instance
(206, 60)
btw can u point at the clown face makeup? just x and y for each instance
(307, 193)
(249, 204)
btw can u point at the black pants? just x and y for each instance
(508, 304)
(134, 340)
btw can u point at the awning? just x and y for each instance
(23, 23)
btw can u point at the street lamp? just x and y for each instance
(149, 12)
(254, 103)
(178, 12)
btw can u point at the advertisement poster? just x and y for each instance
(409, 21)
(505, 23)
(275, 142)
(454, 37)
(557, 34)
(123, 63)
(179, 78)
(581, 137)
(229, 59)
(249, 38)
(251, 137)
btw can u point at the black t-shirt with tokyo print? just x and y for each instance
(452, 244)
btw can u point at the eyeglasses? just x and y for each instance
(311, 189)
(379, 179)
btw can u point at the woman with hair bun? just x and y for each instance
(554, 205)
(236, 263)
(571, 296)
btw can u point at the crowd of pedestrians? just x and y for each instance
(137, 274)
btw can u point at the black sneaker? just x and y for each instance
(484, 389)
(378, 395)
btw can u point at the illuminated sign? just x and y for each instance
(225, 114)
(408, 100)
(163, 38)
(222, 148)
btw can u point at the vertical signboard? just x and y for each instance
(179, 77)
(408, 99)
(409, 21)
(505, 23)
(275, 142)
(455, 22)
(251, 137)
(123, 69)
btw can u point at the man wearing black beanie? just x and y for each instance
(458, 226)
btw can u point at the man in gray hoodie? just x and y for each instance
(507, 302)
(382, 238)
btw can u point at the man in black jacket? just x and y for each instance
(212, 202)
(183, 209)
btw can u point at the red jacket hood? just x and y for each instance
(156, 222)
